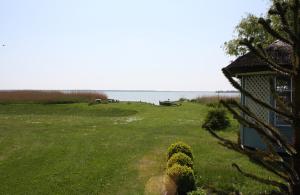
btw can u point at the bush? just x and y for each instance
(180, 147)
(198, 192)
(181, 159)
(216, 119)
(214, 105)
(184, 178)
(183, 100)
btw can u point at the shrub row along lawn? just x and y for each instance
(180, 167)
(110, 149)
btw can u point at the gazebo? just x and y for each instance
(254, 75)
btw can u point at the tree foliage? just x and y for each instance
(250, 28)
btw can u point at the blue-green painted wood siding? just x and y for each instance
(250, 138)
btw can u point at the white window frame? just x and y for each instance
(275, 117)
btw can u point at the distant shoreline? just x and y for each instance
(127, 95)
(231, 91)
(82, 90)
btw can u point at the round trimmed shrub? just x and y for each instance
(198, 192)
(181, 159)
(180, 147)
(184, 178)
(216, 119)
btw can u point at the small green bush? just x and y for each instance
(198, 192)
(180, 147)
(216, 119)
(183, 100)
(184, 178)
(213, 104)
(181, 159)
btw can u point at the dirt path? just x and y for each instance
(152, 166)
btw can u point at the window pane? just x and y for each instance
(283, 84)
(283, 88)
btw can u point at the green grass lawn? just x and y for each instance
(109, 149)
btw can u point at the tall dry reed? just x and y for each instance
(214, 99)
(48, 97)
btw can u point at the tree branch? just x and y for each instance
(281, 186)
(258, 157)
(256, 100)
(295, 9)
(268, 129)
(286, 106)
(281, 11)
(272, 136)
(270, 30)
(261, 53)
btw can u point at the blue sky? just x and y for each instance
(118, 44)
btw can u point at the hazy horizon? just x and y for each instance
(158, 45)
(137, 90)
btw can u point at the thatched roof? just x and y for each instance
(278, 50)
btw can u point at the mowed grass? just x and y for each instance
(109, 149)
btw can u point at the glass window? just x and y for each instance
(283, 86)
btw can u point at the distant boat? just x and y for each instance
(99, 101)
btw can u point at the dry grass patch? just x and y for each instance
(214, 99)
(47, 97)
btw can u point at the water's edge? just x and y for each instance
(156, 96)
(152, 97)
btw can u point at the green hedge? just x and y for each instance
(183, 177)
(180, 147)
(181, 159)
(180, 167)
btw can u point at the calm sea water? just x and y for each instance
(156, 96)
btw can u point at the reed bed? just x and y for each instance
(214, 99)
(48, 97)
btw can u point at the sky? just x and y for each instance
(118, 44)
